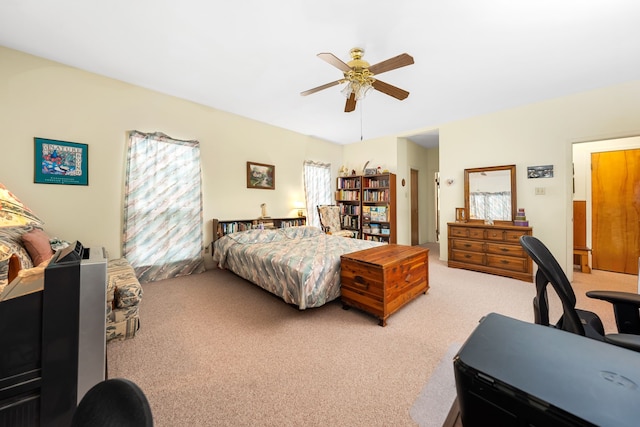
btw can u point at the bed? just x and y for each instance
(301, 265)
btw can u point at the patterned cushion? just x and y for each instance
(330, 218)
(123, 323)
(123, 296)
(123, 283)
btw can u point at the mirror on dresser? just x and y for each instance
(490, 194)
(488, 241)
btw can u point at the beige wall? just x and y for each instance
(537, 134)
(45, 99)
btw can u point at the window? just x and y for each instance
(162, 234)
(317, 189)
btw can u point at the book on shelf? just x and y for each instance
(345, 182)
(366, 212)
(378, 213)
(353, 195)
(376, 195)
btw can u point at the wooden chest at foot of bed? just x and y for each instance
(380, 280)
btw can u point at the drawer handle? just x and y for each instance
(504, 249)
(504, 261)
(408, 278)
(467, 245)
(467, 256)
(359, 280)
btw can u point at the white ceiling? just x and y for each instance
(254, 57)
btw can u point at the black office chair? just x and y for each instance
(626, 305)
(114, 402)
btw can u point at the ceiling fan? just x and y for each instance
(359, 76)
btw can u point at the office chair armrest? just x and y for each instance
(615, 297)
(629, 341)
(626, 307)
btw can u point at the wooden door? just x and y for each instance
(615, 183)
(415, 223)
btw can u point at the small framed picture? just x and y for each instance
(461, 215)
(61, 162)
(261, 176)
(545, 171)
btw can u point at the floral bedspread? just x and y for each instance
(299, 264)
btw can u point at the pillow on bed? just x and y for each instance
(37, 243)
(301, 232)
(256, 236)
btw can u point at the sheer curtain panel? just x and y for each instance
(317, 189)
(162, 236)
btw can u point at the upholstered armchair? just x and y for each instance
(330, 221)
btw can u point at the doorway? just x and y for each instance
(415, 217)
(615, 205)
(597, 197)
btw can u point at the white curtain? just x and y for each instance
(163, 218)
(317, 189)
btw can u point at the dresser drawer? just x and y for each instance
(514, 236)
(468, 245)
(458, 232)
(493, 234)
(508, 250)
(468, 257)
(477, 233)
(507, 263)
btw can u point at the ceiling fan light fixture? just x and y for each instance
(360, 90)
(358, 77)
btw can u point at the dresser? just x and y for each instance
(493, 249)
(383, 279)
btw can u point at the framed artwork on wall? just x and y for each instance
(60, 162)
(261, 176)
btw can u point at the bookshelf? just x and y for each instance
(379, 208)
(368, 206)
(221, 228)
(348, 196)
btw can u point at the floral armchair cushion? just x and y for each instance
(330, 221)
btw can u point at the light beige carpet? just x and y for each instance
(215, 350)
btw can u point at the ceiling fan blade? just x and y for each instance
(390, 90)
(351, 103)
(334, 60)
(392, 63)
(319, 88)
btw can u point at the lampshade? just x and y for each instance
(360, 89)
(13, 212)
